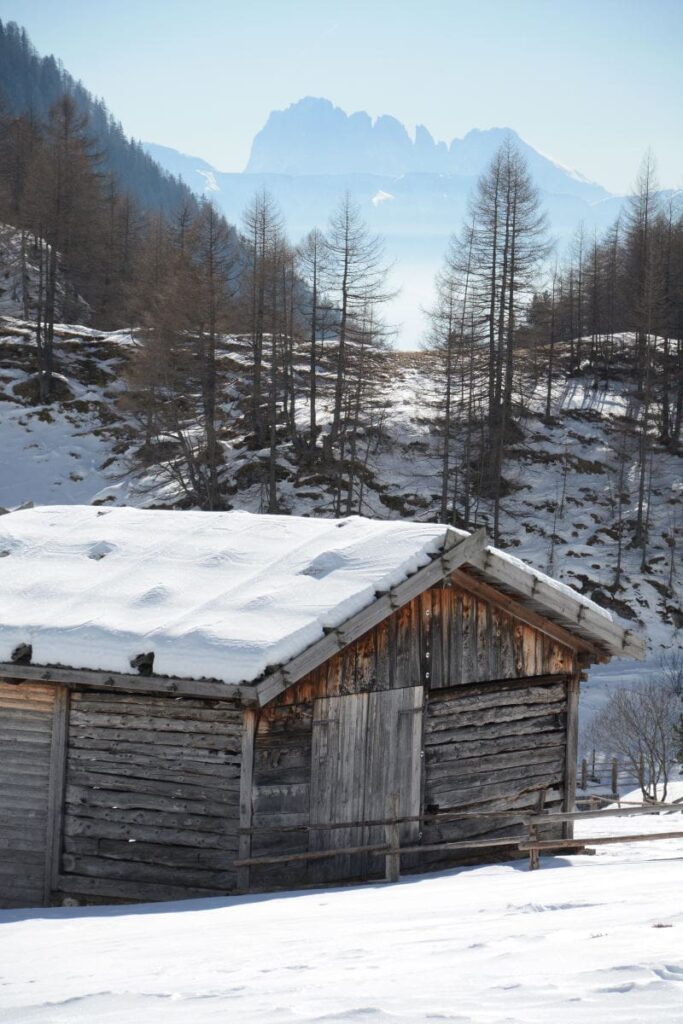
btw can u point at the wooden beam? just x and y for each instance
(571, 753)
(620, 642)
(450, 557)
(56, 789)
(608, 812)
(78, 679)
(465, 581)
(495, 686)
(249, 725)
(553, 844)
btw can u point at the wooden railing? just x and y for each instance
(532, 820)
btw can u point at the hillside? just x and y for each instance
(31, 84)
(560, 513)
(584, 939)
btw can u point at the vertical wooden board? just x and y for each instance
(393, 762)
(249, 727)
(484, 659)
(409, 645)
(425, 638)
(409, 761)
(507, 649)
(518, 648)
(529, 637)
(569, 799)
(455, 640)
(540, 653)
(466, 676)
(337, 781)
(384, 678)
(439, 638)
(469, 639)
(392, 641)
(57, 783)
(347, 680)
(27, 715)
(495, 641)
(366, 662)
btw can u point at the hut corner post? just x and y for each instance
(249, 725)
(56, 793)
(572, 751)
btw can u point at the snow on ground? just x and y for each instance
(583, 940)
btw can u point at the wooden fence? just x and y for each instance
(392, 850)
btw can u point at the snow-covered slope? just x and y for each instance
(583, 940)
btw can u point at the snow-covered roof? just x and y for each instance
(214, 595)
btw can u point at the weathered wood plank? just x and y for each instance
(57, 782)
(572, 752)
(26, 725)
(138, 767)
(124, 890)
(141, 871)
(189, 754)
(79, 796)
(502, 716)
(249, 727)
(229, 740)
(508, 694)
(220, 838)
(116, 682)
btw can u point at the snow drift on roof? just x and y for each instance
(214, 595)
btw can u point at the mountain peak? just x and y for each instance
(313, 136)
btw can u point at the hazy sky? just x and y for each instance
(592, 83)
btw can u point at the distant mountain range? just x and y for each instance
(315, 137)
(312, 152)
(412, 191)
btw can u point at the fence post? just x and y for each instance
(534, 855)
(392, 860)
(614, 777)
(584, 774)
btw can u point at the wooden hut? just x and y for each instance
(193, 703)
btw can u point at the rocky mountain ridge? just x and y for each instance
(313, 137)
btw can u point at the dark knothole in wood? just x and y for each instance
(22, 654)
(144, 663)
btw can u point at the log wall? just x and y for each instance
(493, 748)
(151, 806)
(26, 724)
(446, 640)
(118, 797)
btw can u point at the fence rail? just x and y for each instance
(532, 819)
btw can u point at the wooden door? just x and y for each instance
(366, 748)
(27, 715)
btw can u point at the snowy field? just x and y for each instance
(584, 940)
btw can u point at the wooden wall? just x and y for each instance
(492, 749)
(151, 800)
(26, 725)
(446, 639)
(150, 786)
